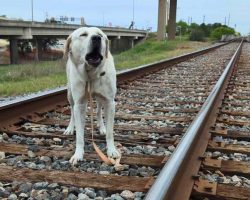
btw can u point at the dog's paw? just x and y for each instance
(69, 130)
(75, 158)
(102, 130)
(113, 152)
(101, 127)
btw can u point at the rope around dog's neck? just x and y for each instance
(104, 158)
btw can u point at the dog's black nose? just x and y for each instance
(96, 39)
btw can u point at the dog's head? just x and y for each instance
(87, 45)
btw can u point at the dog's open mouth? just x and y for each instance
(94, 58)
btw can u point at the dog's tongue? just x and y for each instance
(94, 59)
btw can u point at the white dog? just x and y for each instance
(89, 60)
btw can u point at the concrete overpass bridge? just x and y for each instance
(120, 38)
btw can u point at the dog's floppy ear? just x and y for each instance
(67, 47)
(107, 47)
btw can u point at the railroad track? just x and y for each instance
(225, 169)
(156, 104)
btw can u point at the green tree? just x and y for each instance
(194, 26)
(196, 32)
(216, 25)
(47, 42)
(197, 35)
(206, 29)
(184, 27)
(25, 46)
(218, 32)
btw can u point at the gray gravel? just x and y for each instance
(231, 141)
(218, 177)
(199, 73)
(228, 156)
(44, 190)
(94, 166)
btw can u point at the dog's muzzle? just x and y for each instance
(94, 57)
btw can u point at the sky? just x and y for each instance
(120, 13)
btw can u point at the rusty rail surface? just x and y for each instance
(25, 107)
(178, 173)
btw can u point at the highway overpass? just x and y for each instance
(120, 38)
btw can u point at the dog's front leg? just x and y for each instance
(109, 112)
(79, 115)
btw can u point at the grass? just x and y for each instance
(152, 50)
(20, 87)
(33, 77)
(20, 72)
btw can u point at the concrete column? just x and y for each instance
(162, 11)
(114, 43)
(132, 43)
(13, 51)
(119, 44)
(172, 20)
(139, 40)
(167, 13)
(39, 49)
(82, 21)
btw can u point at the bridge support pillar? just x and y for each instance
(132, 43)
(114, 45)
(13, 51)
(162, 13)
(39, 49)
(172, 20)
(119, 44)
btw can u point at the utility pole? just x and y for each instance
(32, 11)
(189, 20)
(179, 28)
(204, 19)
(228, 19)
(162, 11)
(133, 10)
(172, 20)
(102, 18)
(167, 12)
(82, 21)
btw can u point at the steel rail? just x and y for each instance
(175, 181)
(14, 111)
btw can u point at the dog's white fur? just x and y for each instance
(103, 88)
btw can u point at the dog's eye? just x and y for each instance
(84, 34)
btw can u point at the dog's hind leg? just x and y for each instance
(109, 112)
(71, 127)
(100, 122)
